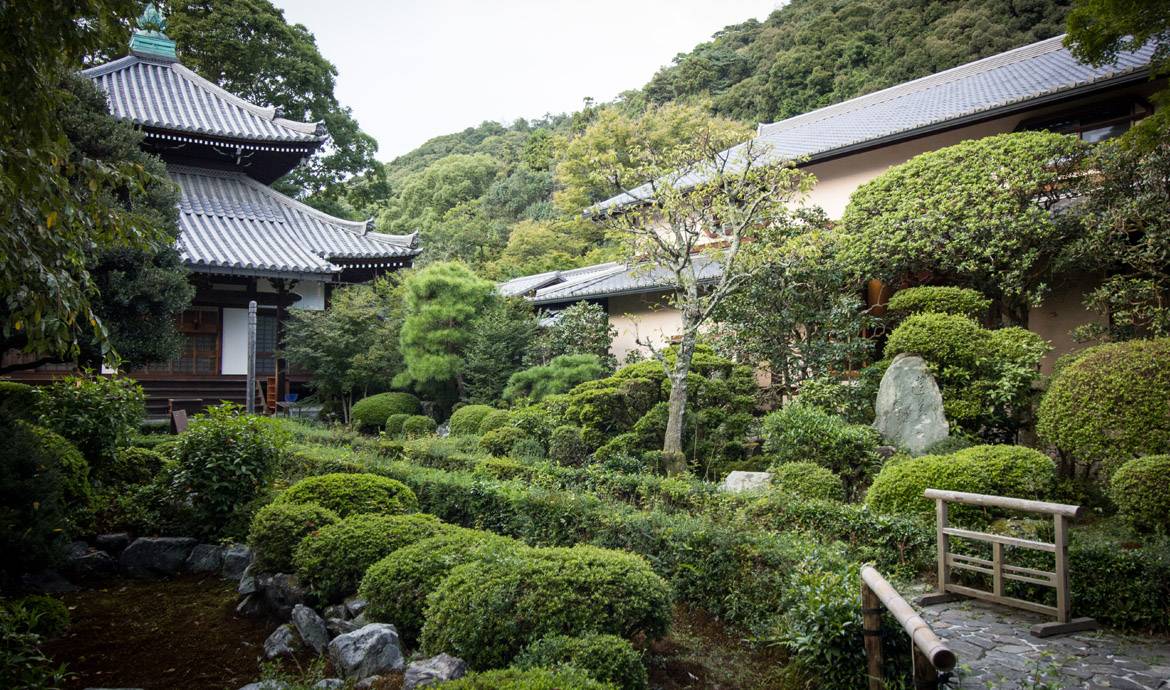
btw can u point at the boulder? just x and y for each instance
(281, 593)
(742, 482)
(114, 543)
(248, 583)
(156, 556)
(311, 627)
(329, 684)
(368, 651)
(355, 606)
(46, 582)
(236, 558)
(251, 606)
(339, 626)
(84, 561)
(282, 642)
(437, 669)
(335, 611)
(909, 408)
(267, 685)
(205, 558)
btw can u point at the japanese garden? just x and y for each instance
(837, 356)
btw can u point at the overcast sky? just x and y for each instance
(415, 69)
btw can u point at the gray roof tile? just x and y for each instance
(231, 223)
(166, 95)
(610, 280)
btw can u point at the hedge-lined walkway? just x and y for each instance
(996, 650)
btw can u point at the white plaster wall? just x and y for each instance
(312, 293)
(234, 348)
(641, 316)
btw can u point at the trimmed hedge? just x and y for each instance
(332, 560)
(802, 433)
(1110, 405)
(494, 420)
(397, 586)
(950, 342)
(348, 494)
(607, 658)
(526, 679)
(132, 466)
(278, 528)
(567, 446)
(17, 401)
(1141, 490)
(939, 300)
(807, 480)
(501, 441)
(485, 612)
(394, 424)
(1002, 470)
(418, 426)
(370, 414)
(465, 421)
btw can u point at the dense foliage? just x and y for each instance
(807, 480)
(1141, 490)
(939, 300)
(560, 375)
(579, 329)
(278, 528)
(526, 679)
(1110, 405)
(352, 494)
(607, 658)
(802, 433)
(371, 414)
(97, 413)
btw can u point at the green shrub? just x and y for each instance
(1012, 471)
(526, 679)
(74, 472)
(17, 401)
(939, 300)
(566, 446)
(848, 399)
(48, 616)
(485, 612)
(1110, 405)
(278, 528)
(1141, 490)
(226, 459)
(98, 414)
(397, 586)
(150, 441)
(950, 444)
(465, 421)
(351, 494)
(951, 343)
(501, 441)
(370, 414)
(560, 375)
(418, 426)
(132, 466)
(35, 513)
(394, 424)
(493, 420)
(332, 560)
(23, 665)
(821, 625)
(607, 658)
(527, 449)
(807, 480)
(800, 433)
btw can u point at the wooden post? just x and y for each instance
(940, 509)
(1063, 609)
(997, 566)
(250, 395)
(871, 626)
(925, 675)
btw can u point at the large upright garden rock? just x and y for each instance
(368, 651)
(739, 482)
(156, 556)
(909, 407)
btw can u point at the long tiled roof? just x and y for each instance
(166, 95)
(603, 280)
(231, 223)
(979, 89)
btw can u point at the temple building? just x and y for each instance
(241, 239)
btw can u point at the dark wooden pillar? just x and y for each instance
(283, 288)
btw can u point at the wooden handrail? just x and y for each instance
(924, 638)
(930, 655)
(1007, 502)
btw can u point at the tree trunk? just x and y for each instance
(672, 445)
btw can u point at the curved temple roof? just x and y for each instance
(163, 94)
(231, 223)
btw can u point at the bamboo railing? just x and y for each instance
(930, 654)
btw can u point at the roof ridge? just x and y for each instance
(267, 112)
(902, 89)
(585, 280)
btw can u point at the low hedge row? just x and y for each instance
(607, 658)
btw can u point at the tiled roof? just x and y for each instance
(977, 89)
(166, 95)
(231, 223)
(604, 280)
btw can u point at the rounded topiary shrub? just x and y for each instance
(1141, 490)
(939, 300)
(803, 433)
(566, 446)
(132, 466)
(487, 611)
(1012, 471)
(607, 658)
(501, 441)
(370, 414)
(278, 528)
(493, 420)
(465, 421)
(807, 480)
(17, 401)
(332, 560)
(348, 494)
(418, 426)
(1110, 405)
(947, 341)
(526, 679)
(397, 586)
(394, 424)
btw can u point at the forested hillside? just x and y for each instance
(508, 199)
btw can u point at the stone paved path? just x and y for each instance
(995, 650)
